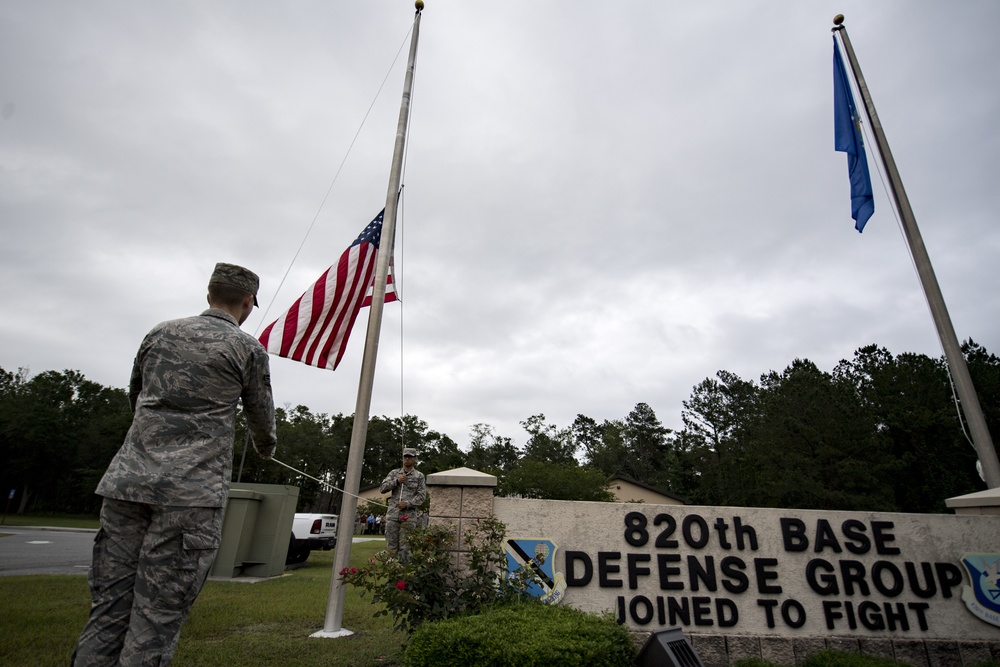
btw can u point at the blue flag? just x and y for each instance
(847, 138)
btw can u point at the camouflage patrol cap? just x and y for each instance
(237, 276)
(409, 451)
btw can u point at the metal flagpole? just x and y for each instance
(953, 352)
(333, 625)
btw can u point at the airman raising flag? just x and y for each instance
(316, 328)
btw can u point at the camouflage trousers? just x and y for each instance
(149, 565)
(396, 534)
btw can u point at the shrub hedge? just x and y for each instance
(522, 635)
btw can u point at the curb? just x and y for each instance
(58, 529)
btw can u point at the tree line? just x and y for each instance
(878, 433)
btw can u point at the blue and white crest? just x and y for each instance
(983, 597)
(539, 555)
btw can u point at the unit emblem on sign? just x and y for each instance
(982, 598)
(539, 555)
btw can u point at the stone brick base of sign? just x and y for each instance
(723, 650)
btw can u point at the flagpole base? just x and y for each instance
(323, 634)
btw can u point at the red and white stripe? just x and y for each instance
(316, 328)
(390, 289)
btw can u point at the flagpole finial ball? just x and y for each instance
(419, 4)
(838, 19)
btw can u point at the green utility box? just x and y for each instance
(256, 530)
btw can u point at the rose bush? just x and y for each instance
(430, 585)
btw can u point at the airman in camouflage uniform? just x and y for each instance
(166, 488)
(409, 489)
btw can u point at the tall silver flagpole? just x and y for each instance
(333, 625)
(952, 350)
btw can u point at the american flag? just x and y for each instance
(316, 328)
(390, 287)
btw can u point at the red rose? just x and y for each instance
(404, 517)
(400, 585)
(343, 572)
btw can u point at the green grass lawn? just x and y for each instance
(267, 623)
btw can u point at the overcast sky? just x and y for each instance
(605, 203)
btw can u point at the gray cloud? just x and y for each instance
(603, 205)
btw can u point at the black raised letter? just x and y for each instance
(604, 568)
(588, 568)
(793, 532)
(882, 538)
(634, 570)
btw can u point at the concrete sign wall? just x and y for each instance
(769, 572)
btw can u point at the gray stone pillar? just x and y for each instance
(458, 498)
(981, 502)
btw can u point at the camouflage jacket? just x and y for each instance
(413, 491)
(186, 380)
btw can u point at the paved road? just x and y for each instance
(26, 550)
(45, 550)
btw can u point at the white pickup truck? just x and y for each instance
(309, 532)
